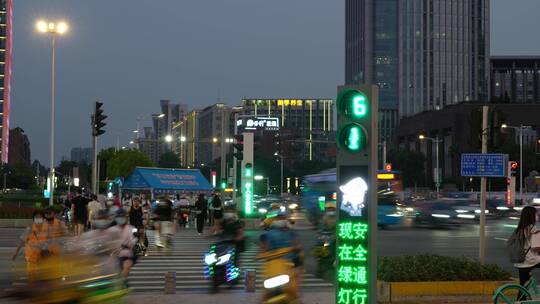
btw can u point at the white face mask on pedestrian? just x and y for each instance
(38, 221)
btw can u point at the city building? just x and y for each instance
(149, 145)
(163, 122)
(515, 79)
(423, 55)
(214, 127)
(81, 155)
(306, 132)
(6, 13)
(459, 129)
(185, 135)
(19, 147)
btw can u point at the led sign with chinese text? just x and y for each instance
(258, 123)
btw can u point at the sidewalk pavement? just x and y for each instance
(224, 297)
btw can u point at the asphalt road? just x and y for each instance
(461, 241)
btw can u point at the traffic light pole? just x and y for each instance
(482, 245)
(95, 188)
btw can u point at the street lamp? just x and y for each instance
(521, 128)
(215, 140)
(281, 158)
(436, 141)
(168, 138)
(183, 138)
(53, 29)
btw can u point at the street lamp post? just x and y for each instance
(436, 141)
(53, 29)
(521, 128)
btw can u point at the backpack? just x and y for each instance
(516, 249)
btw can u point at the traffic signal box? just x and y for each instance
(538, 145)
(98, 120)
(356, 194)
(511, 172)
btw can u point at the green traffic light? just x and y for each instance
(352, 138)
(353, 103)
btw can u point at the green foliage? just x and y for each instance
(19, 175)
(411, 165)
(430, 267)
(169, 160)
(122, 163)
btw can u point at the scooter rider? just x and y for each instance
(128, 240)
(233, 229)
(281, 236)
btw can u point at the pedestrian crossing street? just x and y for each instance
(186, 259)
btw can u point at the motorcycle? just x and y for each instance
(72, 277)
(324, 252)
(280, 282)
(221, 265)
(139, 249)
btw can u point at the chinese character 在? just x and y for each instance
(345, 252)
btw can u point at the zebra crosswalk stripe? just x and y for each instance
(186, 259)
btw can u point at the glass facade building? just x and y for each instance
(515, 79)
(6, 13)
(443, 53)
(423, 54)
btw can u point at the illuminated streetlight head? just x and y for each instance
(215, 139)
(182, 138)
(504, 126)
(131, 142)
(41, 26)
(51, 26)
(168, 138)
(161, 115)
(258, 177)
(61, 27)
(421, 136)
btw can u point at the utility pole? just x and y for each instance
(482, 245)
(97, 130)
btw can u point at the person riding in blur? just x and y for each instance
(111, 208)
(281, 236)
(233, 228)
(530, 237)
(55, 229)
(329, 218)
(136, 219)
(270, 217)
(163, 220)
(34, 240)
(125, 252)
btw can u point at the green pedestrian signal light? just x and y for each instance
(109, 186)
(353, 104)
(352, 138)
(223, 184)
(248, 170)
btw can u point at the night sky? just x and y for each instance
(132, 53)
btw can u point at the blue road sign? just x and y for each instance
(486, 165)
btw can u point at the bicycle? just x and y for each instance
(508, 293)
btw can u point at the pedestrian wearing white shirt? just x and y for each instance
(529, 235)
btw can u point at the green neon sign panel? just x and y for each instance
(352, 230)
(248, 198)
(352, 138)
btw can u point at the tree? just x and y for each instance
(19, 175)
(169, 160)
(66, 167)
(122, 163)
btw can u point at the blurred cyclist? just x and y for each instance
(55, 229)
(163, 214)
(34, 240)
(281, 236)
(127, 239)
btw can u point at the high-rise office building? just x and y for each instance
(19, 147)
(6, 12)
(185, 135)
(423, 55)
(163, 122)
(81, 155)
(443, 53)
(515, 79)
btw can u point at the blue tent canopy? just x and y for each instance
(167, 180)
